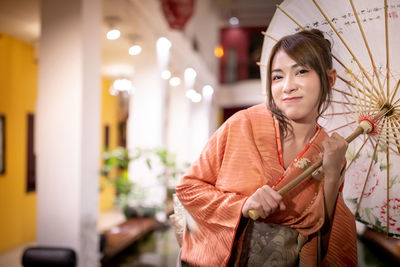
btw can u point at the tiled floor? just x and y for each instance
(156, 249)
(161, 249)
(13, 257)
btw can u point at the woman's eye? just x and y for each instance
(277, 77)
(302, 71)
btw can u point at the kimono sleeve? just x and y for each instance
(197, 191)
(216, 214)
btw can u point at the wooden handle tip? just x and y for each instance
(253, 214)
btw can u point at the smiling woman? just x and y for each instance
(257, 152)
(295, 88)
(317, 59)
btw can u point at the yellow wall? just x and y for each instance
(18, 88)
(18, 93)
(108, 116)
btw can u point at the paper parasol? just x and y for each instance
(365, 40)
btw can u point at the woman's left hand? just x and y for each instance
(335, 148)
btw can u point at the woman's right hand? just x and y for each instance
(265, 200)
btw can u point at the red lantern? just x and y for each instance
(177, 12)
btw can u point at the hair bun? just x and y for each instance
(320, 34)
(317, 32)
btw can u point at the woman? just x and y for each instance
(254, 154)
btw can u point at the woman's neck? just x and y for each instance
(301, 133)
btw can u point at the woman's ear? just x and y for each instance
(332, 74)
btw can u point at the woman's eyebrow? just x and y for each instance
(296, 65)
(276, 70)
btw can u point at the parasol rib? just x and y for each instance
(366, 43)
(366, 179)
(269, 36)
(396, 106)
(356, 103)
(396, 127)
(387, 191)
(361, 100)
(345, 125)
(347, 47)
(387, 180)
(395, 134)
(358, 152)
(392, 144)
(389, 128)
(345, 103)
(342, 113)
(397, 101)
(387, 48)
(365, 88)
(290, 17)
(348, 94)
(383, 146)
(395, 91)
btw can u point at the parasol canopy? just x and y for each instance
(367, 59)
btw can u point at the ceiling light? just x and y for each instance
(190, 74)
(193, 95)
(163, 43)
(166, 74)
(121, 85)
(135, 50)
(174, 81)
(113, 34)
(234, 21)
(196, 98)
(208, 91)
(219, 51)
(111, 22)
(190, 93)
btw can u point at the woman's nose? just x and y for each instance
(289, 85)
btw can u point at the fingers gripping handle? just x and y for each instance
(362, 128)
(253, 214)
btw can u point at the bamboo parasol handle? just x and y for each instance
(363, 127)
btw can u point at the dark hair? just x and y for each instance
(308, 48)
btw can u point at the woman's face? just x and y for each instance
(295, 89)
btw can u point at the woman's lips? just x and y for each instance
(291, 99)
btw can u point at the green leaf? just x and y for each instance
(393, 181)
(148, 162)
(352, 200)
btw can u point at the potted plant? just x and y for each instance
(115, 170)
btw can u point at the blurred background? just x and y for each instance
(103, 106)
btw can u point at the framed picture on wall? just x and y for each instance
(2, 144)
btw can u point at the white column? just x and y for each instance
(146, 124)
(198, 124)
(178, 130)
(68, 126)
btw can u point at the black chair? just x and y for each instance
(49, 256)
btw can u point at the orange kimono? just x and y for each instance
(240, 157)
